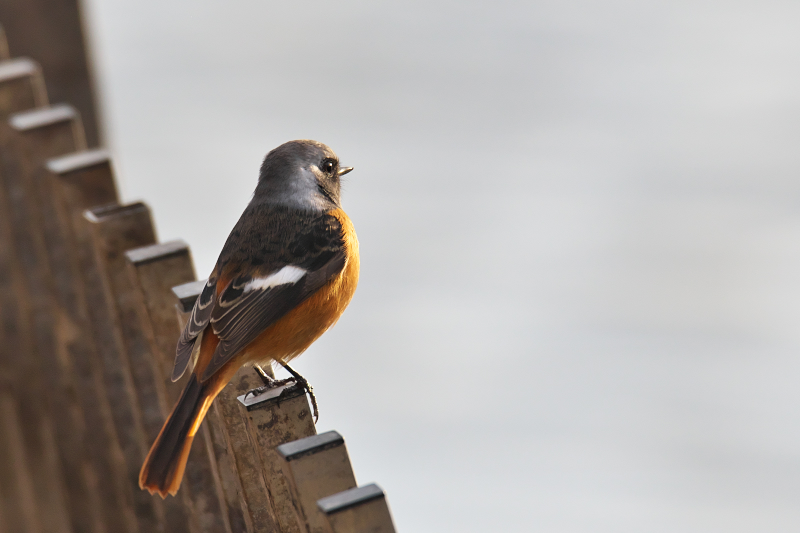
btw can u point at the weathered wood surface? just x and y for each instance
(360, 510)
(85, 464)
(154, 270)
(316, 467)
(21, 87)
(130, 382)
(19, 509)
(79, 181)
(51, 32)
(138, 508)
(4, 53)
(273, 418)
(53, 444)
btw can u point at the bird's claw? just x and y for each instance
(271, 383)
(302, 382)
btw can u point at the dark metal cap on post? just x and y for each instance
(310, 445)
(349, 498)
(362, 509)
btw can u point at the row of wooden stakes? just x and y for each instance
(91, 309)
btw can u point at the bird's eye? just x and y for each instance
(328, 166)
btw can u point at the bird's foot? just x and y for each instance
(303, 382)
(268, 381)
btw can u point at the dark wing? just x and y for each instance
(296, 255)
(198, 320)
(241, 315)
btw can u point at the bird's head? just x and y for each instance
(303, 174)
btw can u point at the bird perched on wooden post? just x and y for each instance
(285, 275)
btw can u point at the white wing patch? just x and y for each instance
(288, 274)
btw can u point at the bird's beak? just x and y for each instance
(344, 170)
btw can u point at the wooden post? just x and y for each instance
(154, 271)
(21, 87)
(276, 417)
(139, 507)
(51, 32)
(255, 493)
(19, 508)
(79, 181)
(316, 467)
(70, 376)
(90, 507)
(54, 437)
(4, 53)
(115, 229)
(360, 510)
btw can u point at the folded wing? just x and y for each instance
(266, 282)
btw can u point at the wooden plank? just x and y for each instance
(154, 271)
(316, 467)
(51, 32)
(55, 437)
(360, 510)
(275, 417)
(18, 500)
(79, 181)
(140, 508)
(114, 230)
(21, 87)
(4, 53)
(227, 414)
(91, 507)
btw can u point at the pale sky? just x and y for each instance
(580, 236)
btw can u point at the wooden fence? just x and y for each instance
(91, 306)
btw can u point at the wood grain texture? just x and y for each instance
(51, 32)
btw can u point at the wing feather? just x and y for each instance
(307, 249)
(198, 320)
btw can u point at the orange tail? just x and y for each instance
(162, 471)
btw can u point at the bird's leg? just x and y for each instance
(268, 378)
(263, 375)
(300, 380)
(268, 381)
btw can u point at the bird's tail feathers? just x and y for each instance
(163, 468)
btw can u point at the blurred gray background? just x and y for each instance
(580, 235)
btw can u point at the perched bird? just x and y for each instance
(285, 275)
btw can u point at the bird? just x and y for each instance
(286, 273)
